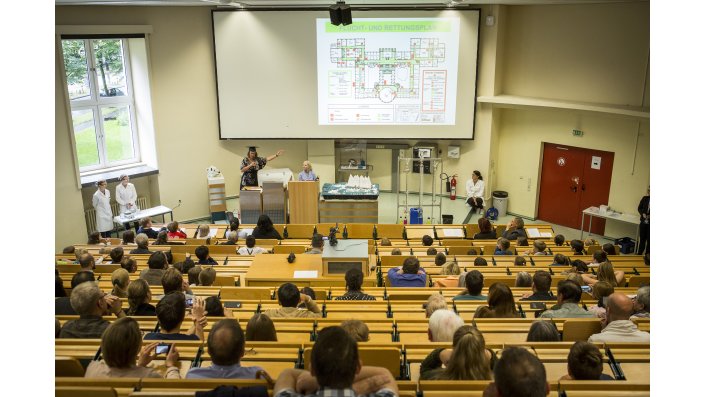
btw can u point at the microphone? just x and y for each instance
(177, 206)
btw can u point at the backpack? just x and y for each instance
(492, 213)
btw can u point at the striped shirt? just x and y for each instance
(355, 296)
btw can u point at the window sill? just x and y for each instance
(112, 175)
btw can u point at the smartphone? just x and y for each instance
(189, 302)
(586, 288)
(538, 305)
(232, 305)
(163, 348)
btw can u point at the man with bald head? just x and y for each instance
(619, 328)
(226, 346)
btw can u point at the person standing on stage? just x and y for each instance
(644, 224)
(307, 174)
(103, 212)
(125, 194)
(251, 164)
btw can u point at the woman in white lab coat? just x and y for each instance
(103, 212)
(125, 194)
(475, 188)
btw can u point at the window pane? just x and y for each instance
(118, 132)
(109, 67)
(84, 133)
(75, 63)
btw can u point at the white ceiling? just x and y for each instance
(319, 3)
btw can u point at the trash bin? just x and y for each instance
(447, 219)
(499, 201)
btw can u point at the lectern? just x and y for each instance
(303, 202)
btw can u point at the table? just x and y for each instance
(149, 212)
(594, 211)
(271, 270)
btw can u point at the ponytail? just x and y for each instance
(469, 360)
(479, 175)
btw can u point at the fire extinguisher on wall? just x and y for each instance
(453, 187)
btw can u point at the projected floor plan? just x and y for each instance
(387, 73)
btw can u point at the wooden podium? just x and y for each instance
(303, 201)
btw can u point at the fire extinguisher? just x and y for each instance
(453, 187)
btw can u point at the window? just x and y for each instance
(102, 102)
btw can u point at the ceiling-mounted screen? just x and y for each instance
(390, 74)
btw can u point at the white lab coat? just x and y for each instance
(103, 212)
(475, 189)
(125, 195)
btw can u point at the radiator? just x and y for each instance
(115, 207)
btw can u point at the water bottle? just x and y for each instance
(428, 220)
(405, 219)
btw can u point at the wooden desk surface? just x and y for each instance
(273, 269)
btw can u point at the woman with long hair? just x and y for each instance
(468, 360)
(606, 273)
(500, 303)
(138, 297)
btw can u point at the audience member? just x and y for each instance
(410, 274)
(541, 286)
(162, 238)
(336, 370)
(601, 290)
(385, 242)
(427, 240)
(469, 359)
(156, 264)
(435, 302)
(452, 272)
(432, 251)
(226, 346)
(265, 228)
(523, 280)
(173, 281)
(215, 308)
(173, 230)
(138, 297)
(560, 260)
(62, 305)
(129, 264)
(120, 279)
(128, 237)
(518, 373)
(87, 262)
(250, 248)
(539, 248)
(609, 249)
(606, 273)
(522, 241)
(193, 274)
(235, 229)
(316, 244)
(442, 324)
(204, 232)
(306, 291)
(619, 328)
(353, 286)
(559, 240)
(120, 348)
(486, 230)
(440, 259)
(59, 291)
(515, 229)
(232, 239)
(289, 298)
(357, 330)
(146, 228)
(585, 362)
(479, 261)
(91, 304)
(94, 238)
(598, 257)
(474, 282)
(569, 294)
(519, 261)
(142, 245)
(171, 311)
(203, 256)
(500, 303)
(207, 277)
(503, 247)
(471, 251)
(543, 331)
(396, 251)
(578, 247)
(116, 255)
(642, 303)
(260, 328)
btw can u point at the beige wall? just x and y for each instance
(589, 52)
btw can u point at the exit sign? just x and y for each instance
(577, 133)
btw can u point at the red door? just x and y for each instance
(573, 179)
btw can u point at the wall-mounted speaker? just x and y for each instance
(340, 13)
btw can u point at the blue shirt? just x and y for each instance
(406, 280)
(498, 251)
(235, 371)
(307, 176)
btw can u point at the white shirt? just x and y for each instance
(620, 331)
(251, 251)
(125, 195)
(475, 189)
(103, 212)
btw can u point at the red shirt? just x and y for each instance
(176, 234)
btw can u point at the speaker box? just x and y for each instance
(340, 13)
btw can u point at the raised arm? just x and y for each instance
(275, 155)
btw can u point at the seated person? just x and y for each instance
(173, 281)
(619, 327)
(203, 256)
(585, 362)
(215, 308)
(601, 290)
(138, 297)
(142, 245)
(435, 302)
(232, 239)
(94, 239)
(385, 242)
(410, 274)
(173, 230)
(503, 247)
(442, 324)
(559, 240)
(307, 174)
(569, 294)
(156, 264)
(116, 254)
(523, 280)
(235, 229)
(609, 249)
(316, 244)
(519, 261)
(146, 228)
(357, 330)
(128, 237)
(171, 311)
(260, 328)
(543, 331)
(440, 259)
(120, 279)
(451, 271)
(91, 304)
(541, 286)
(642, 303)
(486, 230)
(289, 298)
(474, 282)
(606, 273)
(207, 277)
(265, 228)
(336, 370)
(395, 251)
(539, 248)
(577, 246)
(193, 274)
(353, 286)
(427, 240)
(522, 241)
(560, 260)
(162, 238)
(518, 373)
(121, 347)
(515, 229)
(87, 262)
(250, 248)
(598, 257)
(469, 359)
(62, 305)
(500, 303)
(226, 346)
(204, 232)
(431, 251)
(479, 261)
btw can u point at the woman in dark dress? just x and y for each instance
(265, 228)
(486, 230)
(251, 164)
(644, 214)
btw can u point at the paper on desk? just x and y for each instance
(546, 234)
(533, 232)
(246, 231)
(213, 232)
(305, 273)
(453, 232)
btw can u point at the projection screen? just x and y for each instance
(390, 74)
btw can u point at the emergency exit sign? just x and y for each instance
(577, 133)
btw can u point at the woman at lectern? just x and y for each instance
(307, 174)
(103, 212)
(252, 163)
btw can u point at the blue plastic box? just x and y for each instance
(416, 216)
